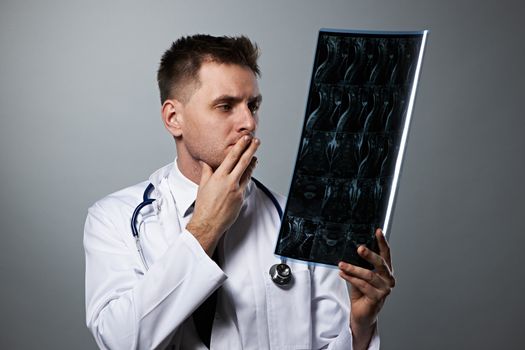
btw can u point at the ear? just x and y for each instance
(171, 112)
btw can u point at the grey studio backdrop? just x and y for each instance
(79, 118)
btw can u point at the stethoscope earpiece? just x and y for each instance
(281, 274)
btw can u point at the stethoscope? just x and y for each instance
(280, 274)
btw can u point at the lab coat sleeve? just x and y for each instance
(331, 307)
(127, 308)
(344, 340)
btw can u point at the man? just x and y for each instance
(206, 242)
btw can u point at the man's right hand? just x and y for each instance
(221, 193)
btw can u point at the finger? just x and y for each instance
(363, 274)
(365, 288)
(206, 173)
(232, 158)
(380, 265)
(384, 248)
(245, 178)
(375, 259)
(245, 160)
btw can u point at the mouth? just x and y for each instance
(251, 134)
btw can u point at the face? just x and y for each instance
(221, 110)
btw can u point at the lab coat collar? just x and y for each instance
(157, 177)
(184, 190)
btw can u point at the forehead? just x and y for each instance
(216, 79)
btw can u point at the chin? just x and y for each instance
(215, 163)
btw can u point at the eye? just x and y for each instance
(253, 107)
(224, 107)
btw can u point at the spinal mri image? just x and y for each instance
(355, 118)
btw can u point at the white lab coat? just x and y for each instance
(128, 307)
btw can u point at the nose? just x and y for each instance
(247, 120)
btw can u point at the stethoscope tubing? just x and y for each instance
(281, 273)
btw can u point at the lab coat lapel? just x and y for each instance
(161, 226)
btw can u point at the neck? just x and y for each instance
(191, 170)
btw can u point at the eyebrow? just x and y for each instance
(236, 99)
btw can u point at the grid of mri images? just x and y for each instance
(344, 171)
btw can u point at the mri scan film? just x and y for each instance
(347, 169)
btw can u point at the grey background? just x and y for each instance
(79, 118)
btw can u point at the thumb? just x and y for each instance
(206, 172)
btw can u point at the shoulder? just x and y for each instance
(268, 191)
(260, 185)
(117, 208)
(124, 198)
(269, 198)
(107, 225)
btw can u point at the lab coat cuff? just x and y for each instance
(374, 341)
(193, 244)
(345, 340)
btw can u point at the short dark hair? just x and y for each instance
(180, 64)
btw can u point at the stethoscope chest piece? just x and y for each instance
(281, 274)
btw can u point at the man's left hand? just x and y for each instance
(369, 289)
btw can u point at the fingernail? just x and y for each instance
(246, 138)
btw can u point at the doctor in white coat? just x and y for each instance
(208, 237)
